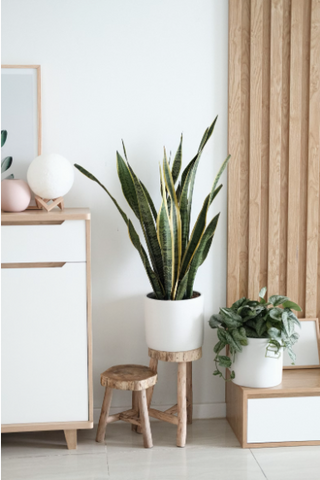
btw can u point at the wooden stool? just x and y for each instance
(184, 405)
(136, 378)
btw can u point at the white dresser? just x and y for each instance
(46, 322)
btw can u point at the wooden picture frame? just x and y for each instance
(307, 348)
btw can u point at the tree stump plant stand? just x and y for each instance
(181, 413)
(135, 378)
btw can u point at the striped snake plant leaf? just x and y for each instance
(94, 179)
(216, 180)
(155, 283)
(4, 135)
(201, 253)
(148, 228)
(165, 241)
(183, 203)
(195, 238)
(207, 134)
(175, 223)
(176, 166)
(127, 185)
(150, 201)
(6, 164)
(181, 291)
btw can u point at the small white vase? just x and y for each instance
(174, 325)
(253, 369)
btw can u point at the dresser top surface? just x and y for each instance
(43, 216)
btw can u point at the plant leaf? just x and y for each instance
(165, 240)
(9, 177)
(176, 166)
(289, 304)
(182, 287)
(276, 300)
(262, 292)
(127, 185)
(215, 321)
(6, 164)
(4, 135)
(224, 361)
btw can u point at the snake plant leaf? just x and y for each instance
(4, 135)
(165, 241)
(175, 224)
(201, 253)
(148, 228)
(185, 224)
(176, 166)
(293, 305)
(156, 285)
(213, 192)
(182, 287)
(195, 238)
(127, 185)
(94, 179)
(6, 164)
(150, 201)
(9, 177)
(207, 134)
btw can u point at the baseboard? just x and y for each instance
(200, 410)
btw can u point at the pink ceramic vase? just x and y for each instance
(15, 195)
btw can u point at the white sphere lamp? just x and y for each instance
(50, 177)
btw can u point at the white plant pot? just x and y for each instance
(253, 369)
(174, 325)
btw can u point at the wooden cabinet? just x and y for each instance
(46, 322)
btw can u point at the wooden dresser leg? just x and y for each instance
(104, 415)
(182, 404)
(145, 421)
(135, 406)
(71, 439)
(189, 392)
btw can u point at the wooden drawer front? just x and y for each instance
(291, 419)
(44, 345)
(44, 243)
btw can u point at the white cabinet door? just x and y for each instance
(44, 344)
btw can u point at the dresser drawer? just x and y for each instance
(65, 242)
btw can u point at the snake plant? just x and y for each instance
(174, 252)
(6, 162)
(255, 319)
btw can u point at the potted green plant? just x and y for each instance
(173, 311)
(256, 333)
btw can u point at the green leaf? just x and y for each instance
(251, 333)
(9, 177)
(274, 333)
(275, 314)
(127, 185)
(238, 303)
(239, 336)
(218, 347)
(165, 241)
(261, 326)
(215, 321)
(6, 164)
(231, 314)
(176, 166)
(262, 292)
(292, 305)
(277, 300)
(224, 361)
(287, 323)
(182, 287)
(216, 180)
(4, 135)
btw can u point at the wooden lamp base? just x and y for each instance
(45, 205)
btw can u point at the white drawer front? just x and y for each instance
(291, 419)
(44, 345)
(44, 243)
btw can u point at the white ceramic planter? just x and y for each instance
(174, 326)
(253, 369)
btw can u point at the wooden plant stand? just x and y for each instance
(183, 408)
(45, 205)
(137, 379)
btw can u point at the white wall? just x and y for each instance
(144, 71)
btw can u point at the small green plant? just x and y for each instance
(247, 318)
(174, 251)
(6, 162)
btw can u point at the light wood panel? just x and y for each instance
(274, 142)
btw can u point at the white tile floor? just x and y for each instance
(212, 453)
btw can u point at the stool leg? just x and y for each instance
(104, 415)
(153, 365)
(189, 392)
(135, 406)
(145, 422)
(182, 404)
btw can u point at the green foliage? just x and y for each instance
(6, 162)
(173, 254)
(272, 319)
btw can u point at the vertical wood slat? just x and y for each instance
(275, 146)
(313, 215)
(255, 146)
(294, 149)
(234, 141)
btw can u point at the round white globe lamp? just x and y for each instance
(50, 177)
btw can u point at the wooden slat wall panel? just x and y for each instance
(274, 133)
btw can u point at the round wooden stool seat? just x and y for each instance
(129, 377)
(177, 357)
